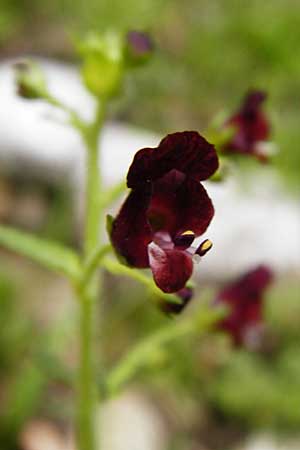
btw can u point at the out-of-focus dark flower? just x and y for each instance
(167, 208)
(244, 297)
(30, 80)
(139, 47)
(251, 127)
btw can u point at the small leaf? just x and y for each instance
(49, 254)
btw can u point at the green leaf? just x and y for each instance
(49, 254)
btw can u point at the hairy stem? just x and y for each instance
(89, 292)
(86, 374)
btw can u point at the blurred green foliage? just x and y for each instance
(206, 387)
(209, 52)
(237, 388)
(29, 365)
(19, 379)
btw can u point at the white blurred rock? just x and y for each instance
(33, 133)
(250, 227)
(44, 435)
(131, 422)
(261, 225)
(269, 442)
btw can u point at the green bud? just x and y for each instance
(30, 80)
(101, 76)
(102, 68)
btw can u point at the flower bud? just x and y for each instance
(139, 47)
(102, 67)
(30, 80)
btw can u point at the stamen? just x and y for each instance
(204, 247)
(196, 258)
(184, 240)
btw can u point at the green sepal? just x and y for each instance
(102, 63)
(30, 80)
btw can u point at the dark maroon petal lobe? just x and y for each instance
(131, 232)
(171, 268)
(185, 296)
(250, 123)
(179, 204)
(187, 152)
(244, 297)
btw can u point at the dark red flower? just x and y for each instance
(166, 208)
(251, 127)
(244, 298)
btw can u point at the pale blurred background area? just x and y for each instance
(199, 395)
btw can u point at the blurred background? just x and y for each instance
(208, 54)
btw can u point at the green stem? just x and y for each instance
(74, 119)
(87, 394)
(141, 354)
(93, 182)
(94, 261)
(89, 291)
(92, 210)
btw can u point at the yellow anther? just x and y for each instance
(207, 245)
(187, 233)
(204, 247)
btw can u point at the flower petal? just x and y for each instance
(131, 232)
(187, 152)
(179, 204)
(171, 268)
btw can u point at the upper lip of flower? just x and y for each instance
(166, 197)
(187, 152)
